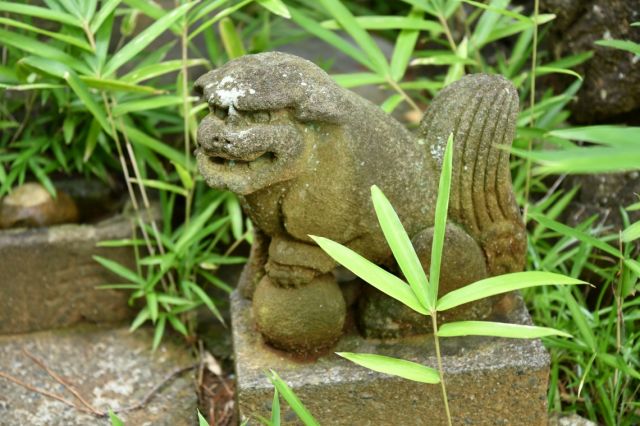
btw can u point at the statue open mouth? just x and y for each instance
(260, 159)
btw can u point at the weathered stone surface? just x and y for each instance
(111, 369)
(48, 278)
(569, 420)
(303, 153)
(490, 381)
(611, 84)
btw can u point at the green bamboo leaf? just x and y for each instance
(391, 103)
(632, 232)
(74, 41)
(544, 70)
(204, 8)
(117, 85)
(360, 36)
(401, 247)
(595, 159)
(155, 70)
(148, 7)
(602, 134)
(502, 284)
(152, 304)
(627, 45)
(68, 128)
(177, 325)
(44, 50)
(234, 212)
(294, 402)
(405, 45)
(440, 223)
(201, 420)
(391, 23)
(633, 264)
(35, 86)
(443, 58)
(358, 79)
(40, 12)
(161, 185)
(185, 176)
(105, 10)
(204, 297)
(331, 38)
(220, 15)
(500, 10)
(371, 273)
(581, 236)
(276, 7)
(394, 366)
(231, 39)
(142, 40)
(77, 85)
(196, 224)
(92, 139)
(159, 147)
(114, 419)
(159, 332)
(119, 269)
(512, 28)
(456, 71)
(497, 329)
(149, 104)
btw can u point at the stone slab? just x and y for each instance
(111, 368)
(48, 277)
(490, 381)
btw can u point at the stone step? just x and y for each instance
(111, 368)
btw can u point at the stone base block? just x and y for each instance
(48, 277)
(111, 369)
(490, 381)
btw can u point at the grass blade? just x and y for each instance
(627, 45)
(276, 7)
(391, 23)
(85, 96)
(293, 401)
(62, 37)
(394, 366)
(497, 329)
(401, 247)
(120, 270)
(371, 273)
(501, 284)
(603, 134)
(440, 224)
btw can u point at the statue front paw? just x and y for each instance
(289, 275)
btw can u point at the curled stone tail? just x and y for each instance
(480, 110)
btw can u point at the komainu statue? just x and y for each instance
(302, 154)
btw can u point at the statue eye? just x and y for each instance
(220, 112)
(261, 116)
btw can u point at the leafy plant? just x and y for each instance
(421, 293)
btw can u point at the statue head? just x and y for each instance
(261, 109)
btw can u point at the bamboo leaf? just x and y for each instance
(40, 12)
(140, 319)
(502, 284)
(204, 297)
(74, 41)
(602, 134)
(440, 223)
(357, 79)
(161, 185)
(394, 366)
(371, 273)
(148, 104)
(411, 22)
(405, 45)
(571, 232)
(330, 37)
(632, 232)
(220, 15)
(293, 401)
(497, 329)
(87, 99)
(544, 70)
(276, 7)
(231, 39)
(159, 332)
(155, 145)
(401, 247)
(627, 45)
(142, 40)
(361, 37)
(105, 10)
(155, 70)
(391, 103)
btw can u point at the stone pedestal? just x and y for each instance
(490, 381)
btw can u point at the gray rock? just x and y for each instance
(110, 368)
